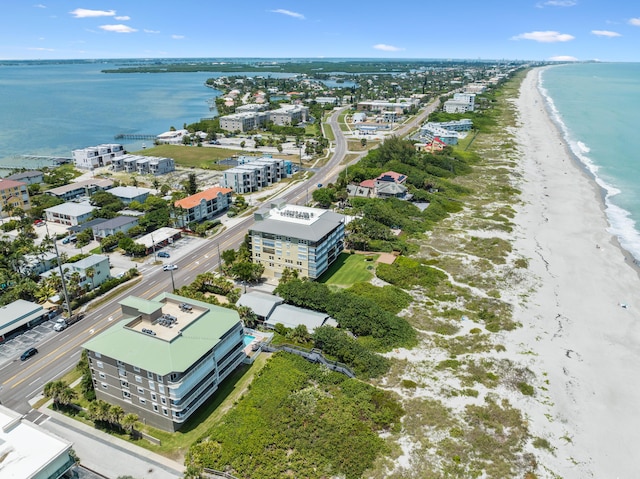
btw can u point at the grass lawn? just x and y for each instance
(349, 269)
(187, 156)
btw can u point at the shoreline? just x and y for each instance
(584, 344)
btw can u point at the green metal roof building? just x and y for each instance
(166, 357)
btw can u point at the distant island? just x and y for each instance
(300, 66)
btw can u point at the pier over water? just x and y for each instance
(134, 136)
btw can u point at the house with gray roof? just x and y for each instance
(70, 213)
(129, 194)
(166, 357)
(262, 304)
(18, 315)
(30, 177)
(292, 316)
(112, 226)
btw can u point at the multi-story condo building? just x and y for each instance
(252, 174)
(13, 194)
(297, 237)
(97, 156)
(244, 121)
(461, 103)
(399, 107)
(252, 119)
(166, 357)
(430, 131)
(202, 206)
(288, 115)
(144, 165)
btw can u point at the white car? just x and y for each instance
(169, 267)
(60, 325)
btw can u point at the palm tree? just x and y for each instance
(129, 422)
(59, 392)
(115, 415)
(91, 272)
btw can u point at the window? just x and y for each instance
(126, 394)
(104, 385)
(97, 355)
(143, 401)
(152, 385)
(120, 363)
(149, 374)
(122, 372)
(163, 400)
(155, 407)
(153, 396)
(138, 379)
(160, 378)
(161, 389)
(124, 384)
(100, 365)
(136, 369)
(165, 411)
(102, 375)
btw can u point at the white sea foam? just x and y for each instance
(621, 225)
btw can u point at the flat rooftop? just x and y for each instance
(163, 328)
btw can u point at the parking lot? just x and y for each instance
(11, 349)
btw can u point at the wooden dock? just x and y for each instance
(134, 136)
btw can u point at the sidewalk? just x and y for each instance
(108, 455)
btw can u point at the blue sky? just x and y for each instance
(489, 29)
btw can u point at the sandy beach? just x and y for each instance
(581, 321)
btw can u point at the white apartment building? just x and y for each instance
(250, 120)
(288, 115)
(97, 156)
(144, 165)
(461, 103)
(253, 174)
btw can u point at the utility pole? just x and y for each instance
(173, 284)
(64, 282)
(219, 256)
(153, 245)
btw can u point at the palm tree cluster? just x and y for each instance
(60, 393)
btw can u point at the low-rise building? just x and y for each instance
(128, 194)
(383, 105)
(159, 238)
(97, 156)
(28, 451)
(20, 314)
(113, 225)
(430, 131)
(202, 206)
(31, 177)
(70, 213)
(172, 137)
(37, 263)
(327, 100)
(80, 188)
(304, 239)
(289, 115)
(166, 357)
(91, 271)
(13, 194)
(243, 121)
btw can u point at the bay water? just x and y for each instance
(597, 106)
(50, 109)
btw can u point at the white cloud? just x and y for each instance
(118, 28)
(123, 18)
(289, 13)
(39, 5)
(544, 37)
(84, 13)
(41, 49)
(558, 3)
(635, 22)
(151, 31)
(177, 37)
(605, 33)
(387, 48)
(563, 58)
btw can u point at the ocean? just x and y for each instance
(597, 106)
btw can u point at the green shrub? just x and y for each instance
(526, 389)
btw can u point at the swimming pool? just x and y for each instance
(247, 339)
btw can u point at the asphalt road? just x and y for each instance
(59, 353)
